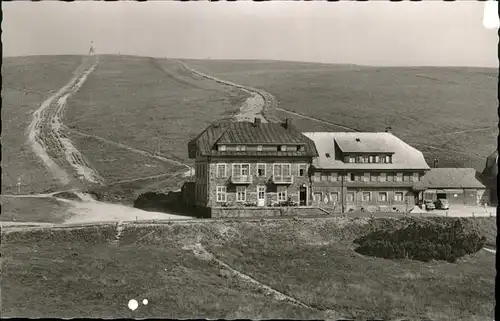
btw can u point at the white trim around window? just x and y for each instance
(241, 193)
(221, 194)
(281, 171)
(282, 195)
(259, 166)
(396, 198)
(241, 169)
(369, 194)
(302, 166)
(224, 171)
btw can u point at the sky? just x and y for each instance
(381, 33)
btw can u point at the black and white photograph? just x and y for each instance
(300, 160)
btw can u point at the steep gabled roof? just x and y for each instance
(248, 133)
(404, 157)
(450, 178)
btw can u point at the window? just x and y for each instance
(283, 148)
(390, 177)
(334, 177)
(371, 159)
(281, 193)
(324, 177)
(366, 196)
(352, 159)
(350, 197)
(317, 196)
(352, 177)
(382, 177)
(302, 169)
(261, 170)
(241, 148)
(398, 196)
(241, 193)
(398, 177)
(415, 177)
(406, 177)
(221, 194)
(377, 160)
(316, 177)
(382, 196)
(366, 177)
(374, 177)
(301, 148)
(259, 148)
(222, 148)
(282, 170)
(221, 170)
(241, 169)
(334, 197)
(388, 159)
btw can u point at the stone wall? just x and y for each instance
(266, 180)
(222, 212)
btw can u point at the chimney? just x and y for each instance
(288, 123)
(436, 163)
(388, 129)
(257, 121)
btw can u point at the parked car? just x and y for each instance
(442, 204)
(429, 205)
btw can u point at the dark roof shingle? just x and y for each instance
(450, 178)
(251, 133)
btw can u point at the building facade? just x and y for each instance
(369, 171)
(460, 186)
(251, 164)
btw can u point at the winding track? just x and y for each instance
(47, 139)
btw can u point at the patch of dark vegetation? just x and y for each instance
(68, 196)
(422, 241)
(170, 203)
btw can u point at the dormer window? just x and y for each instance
(222, 148)
(388, 159)
(241, 148)
(283, 148)
(259, 148)
(300, 148)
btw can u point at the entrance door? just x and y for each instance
(303, 196)
(261, 195)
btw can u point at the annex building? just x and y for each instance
(370, 171)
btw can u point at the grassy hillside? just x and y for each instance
(147, 102)
(87, 273)
(26, 83)
(448, 113)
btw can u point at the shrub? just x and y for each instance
(422, 241)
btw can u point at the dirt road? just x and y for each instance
(46, 136)
(253, 107)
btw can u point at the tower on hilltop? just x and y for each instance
(91, 50)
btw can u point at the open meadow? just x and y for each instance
(26, 83)
(295, 269)
(447, 113)
(148, 103)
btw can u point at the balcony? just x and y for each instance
(241, 179)
(283, 179)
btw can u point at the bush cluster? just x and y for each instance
(422, 241)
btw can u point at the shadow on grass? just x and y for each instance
(170, 203)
